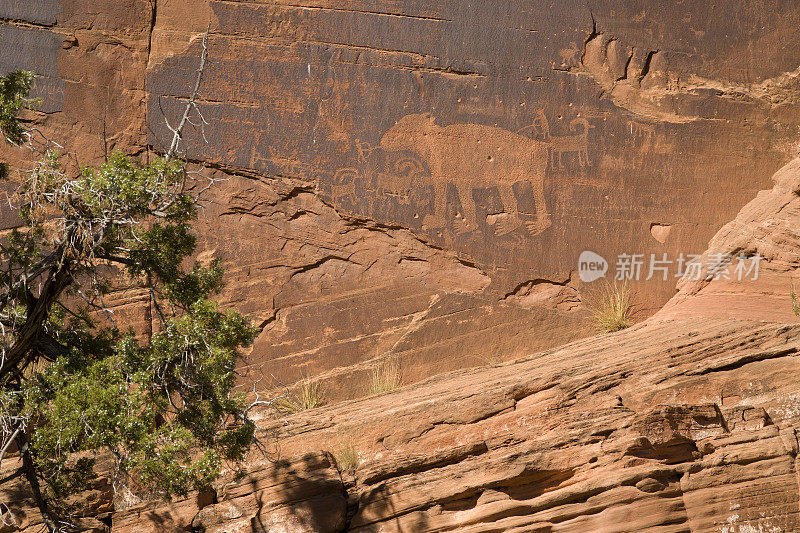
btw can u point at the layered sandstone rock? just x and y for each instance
(675, 425)
(303, 494)
(672, 426)
(766, 227)
(417, 179)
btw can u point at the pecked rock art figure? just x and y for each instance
(576, 143)
(475, 156)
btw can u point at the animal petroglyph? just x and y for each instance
(474, 156)
(394, 178)
(569, 55)
(577, 143)
(644, 133)
(401, 180)
(344, 180)
(417, 157)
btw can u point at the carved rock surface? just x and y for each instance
(418, 179)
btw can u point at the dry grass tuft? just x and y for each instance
(793, 294)
(494, 358)
(611, 306)
(307, 395)
(386, 375)
(346, 455)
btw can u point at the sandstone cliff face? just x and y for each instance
(674, 425)
(417, 179)
(767, 226)
(678, 425)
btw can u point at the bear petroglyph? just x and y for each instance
(474, 156)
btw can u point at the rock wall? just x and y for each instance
(363, 215)
(670, 426)
(418, 179)
(678, 425)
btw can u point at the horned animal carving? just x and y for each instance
(576, 143)
(474, 156)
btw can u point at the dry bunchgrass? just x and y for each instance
(611, 306)
(493, 358)
(795, 301)
(307, 395)
(346, 454)
(385, 375)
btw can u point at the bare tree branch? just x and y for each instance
(177, 133)
(8, 443)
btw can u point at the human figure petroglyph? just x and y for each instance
(474, 156)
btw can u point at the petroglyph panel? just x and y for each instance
(510, 136)
(470, 157)
(381, 109)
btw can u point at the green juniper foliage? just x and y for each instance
(14, 89)
(163, 405)
(13, 92)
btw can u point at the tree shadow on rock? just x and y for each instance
(306, 491)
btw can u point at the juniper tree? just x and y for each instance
(73, 380)
(14, 89)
